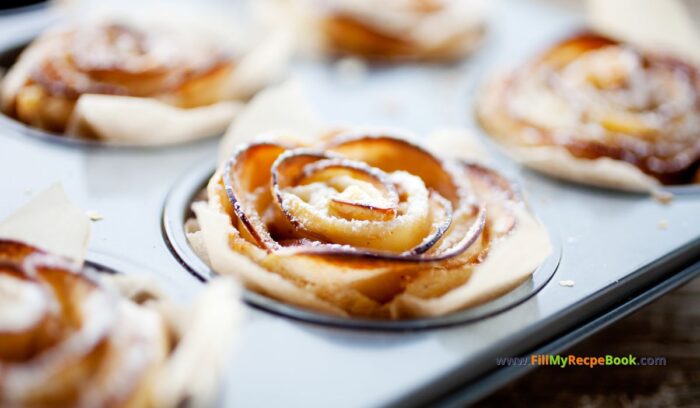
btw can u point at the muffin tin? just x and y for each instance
(621, 250)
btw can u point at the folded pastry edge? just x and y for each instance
(216, 231)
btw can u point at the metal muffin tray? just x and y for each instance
(622, 250)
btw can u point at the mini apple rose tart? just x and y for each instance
(602, 112)
(85, 79)
(367, 224)
(68, 338)
(398, 29)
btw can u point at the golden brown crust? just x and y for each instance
(604, 107)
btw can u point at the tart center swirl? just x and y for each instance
(366, 196)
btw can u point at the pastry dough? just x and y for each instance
(50, 222)
(398, 29)
(636, 22)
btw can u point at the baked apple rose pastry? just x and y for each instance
(73, 335)
(367, 224)
(173, 84)
(398, 29)
(68, 338)
(600, 111)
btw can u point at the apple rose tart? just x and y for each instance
(67, 338)
(367, 224)
(173, 84)
(398, 29)
(599, 111)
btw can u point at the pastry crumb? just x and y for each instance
(351, 69)
(662, 224)
(664, 197)
(94, 215)
(567, 283)
(28, 191)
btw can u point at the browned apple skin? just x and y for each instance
(388, 154)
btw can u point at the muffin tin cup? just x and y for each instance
(101, 263)
(683, 190)
(177, 210)
(20, 7)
